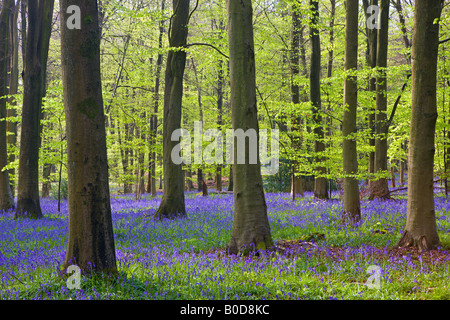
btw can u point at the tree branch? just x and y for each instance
(394, 108)
(444, 41)
(206, 44)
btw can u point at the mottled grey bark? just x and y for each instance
(352, 206)
(6, 198)
(296, 181)
(40, 14)
(11, 126)
(251, 229)
(151, 184)
(91, 239)
(371, 58)
(420, 230)
(320, 183)
(379, 187)
(172, 202)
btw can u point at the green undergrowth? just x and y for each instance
(180, 262)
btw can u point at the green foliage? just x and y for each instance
(129, 52)
(62, 191)
(281, 181)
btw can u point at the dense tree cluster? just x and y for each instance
(358, 91)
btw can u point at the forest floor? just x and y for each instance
(315, 256)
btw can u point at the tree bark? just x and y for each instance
(371, 58)
(220, 81)
(296, 181)
(126, 155)
(398, 6)
(91, 239)
(151, 185)
(352, 206)
(320, 183)
(251, 229)
(6, 197)
(420, 230)
(230, 180)
(11, 126)
(199, 179)
(380, 186)
(46, 185)
(40, 14)
(172, 202)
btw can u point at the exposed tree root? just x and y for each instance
(420, 242)
(376, 190)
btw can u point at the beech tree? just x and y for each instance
(6, 197)
(371, 58)
(352, 207)
(320, 183)
(91, 239)
(251, 229)
(151, 184)
(172, 202)
(296, 38)
(420, 230)
(40, 14)
(11, 126)
(380, 187)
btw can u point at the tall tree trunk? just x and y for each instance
(402, 168)
(393, 174)
(11, 126)
(40, 14)
(6, 197)
(251, 229)
(320, 183)
(371, 58)
(447, 161)
(126, 156)
(329, 120)
(219, 114)
(189, 184)
(398, 6)
(91, 239)
(151, 185)
(230, 180)
(46, 184)
(379, 187)
(420, 230)
(172, 202)
(140, 158)
(23, 27)
(352, 206)
(199, 179)
(331, 44)
(296, 181)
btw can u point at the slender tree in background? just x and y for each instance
(11, 126)
(401, 16)
(172, 202)
(420, 230)
(371, 58)
(352, 207)
(251, 229)
(297, 29)
(91, 239)
(379, 187)
(220, 85)
(407, 44)
(40, 14)
(6, 198)
(151, 185)
(320, 183)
